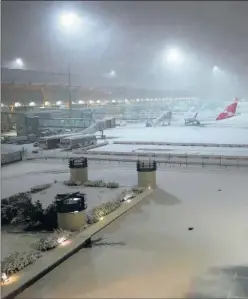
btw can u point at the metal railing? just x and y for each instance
(161, 158)
(11, 157)
(189, 144)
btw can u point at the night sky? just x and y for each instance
(128, 37)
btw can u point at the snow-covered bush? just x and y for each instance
(18, 219)
(137, 190)
(29, 213)
(98, 183)
(19, 198)
(112, 185)
(104, 209)
(39, 188)
(47, 243)
(50, 217)
(72, 183)
(34, 213)
(17, 208)
(34, 217)
(53, 240)
(41, 219)
(4, 201)
(101, 184)
(8, 212)
(17, 261)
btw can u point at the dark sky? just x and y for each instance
(126, 36)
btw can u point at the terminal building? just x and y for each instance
(36, 121)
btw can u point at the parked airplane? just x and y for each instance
(228, 117)
(210, 119)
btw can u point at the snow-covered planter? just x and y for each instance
(104, 209)
(50, 217)
(53, 240)
(39, 188)
(16, 199)
(18, 219)
(17, 261)
(112, 185)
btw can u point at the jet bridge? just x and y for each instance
(165, 116)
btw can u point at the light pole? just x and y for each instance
(69, 83)
(173, 58)
(69, 21)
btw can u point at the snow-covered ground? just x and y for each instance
(16, 147)
(18, 242)
(22, 176)
(220, 215)
(160, 257)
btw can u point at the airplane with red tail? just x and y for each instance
(219, 119)
(229, 112)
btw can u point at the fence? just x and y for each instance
(162, 158)
(11, 157)
(225, 145)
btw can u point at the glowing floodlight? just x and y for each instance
(174, 57)
(4, 277)
(69, 20)
(61, 240)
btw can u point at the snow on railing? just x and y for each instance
(164, 158)
(227, 145)
(7, 158)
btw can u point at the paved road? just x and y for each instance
(150, 253)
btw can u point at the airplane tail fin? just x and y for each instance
(229, 111)
(189, 113)
(195, 116)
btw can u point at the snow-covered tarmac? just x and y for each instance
(171, 149)
(178, 134)
(139, 132)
